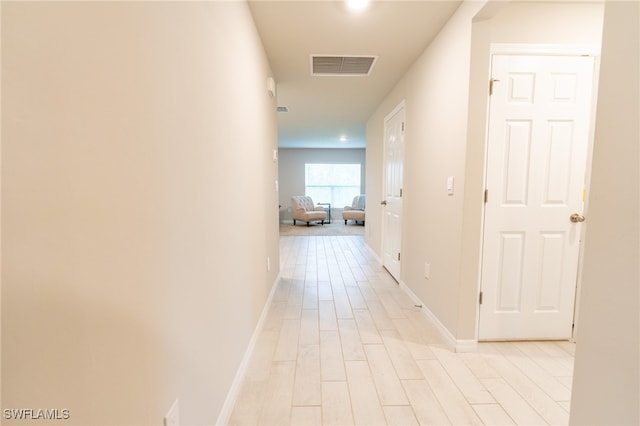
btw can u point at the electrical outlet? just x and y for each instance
(427, 270)
(173, 415)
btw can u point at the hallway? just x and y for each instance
(343, 344)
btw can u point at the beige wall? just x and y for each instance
(291, 170)
(125, 151)
(606, 385)
(442, 139)
(551, 22)
(436, 94)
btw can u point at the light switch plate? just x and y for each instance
(450, 185)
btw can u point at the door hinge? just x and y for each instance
(403, 126)
(480, 298)
(398, 257)
(401, 192)
(486, 195)
(491, 83)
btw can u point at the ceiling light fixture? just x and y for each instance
(357, 5)
(343, 138)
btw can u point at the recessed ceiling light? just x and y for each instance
(357, 4)
(343, 138)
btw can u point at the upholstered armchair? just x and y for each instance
(355, 211)
(304, 210)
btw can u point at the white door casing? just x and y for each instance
(392, 201)
(537, 154)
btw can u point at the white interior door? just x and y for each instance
(537, 154)
(392, 202)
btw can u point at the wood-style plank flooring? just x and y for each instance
(344, 345)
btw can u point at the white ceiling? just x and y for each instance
(322, 109)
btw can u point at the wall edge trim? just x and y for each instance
(372, 252)
(234, 390)
(452, 343)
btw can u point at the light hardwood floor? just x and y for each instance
(343, 345)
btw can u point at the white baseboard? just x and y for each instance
(232, 395)
(453, 343)
(469, 345)
(373, 253)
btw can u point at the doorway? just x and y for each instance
(537, 145)
(394, 125)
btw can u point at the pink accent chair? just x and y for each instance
(304, 210)
(355, 211)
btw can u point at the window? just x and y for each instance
(332, 183)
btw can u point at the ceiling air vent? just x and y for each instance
(327, 65)
(282, 109)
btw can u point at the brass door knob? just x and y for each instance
(576, 218)
(383, 202)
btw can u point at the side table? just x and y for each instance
(327, 208)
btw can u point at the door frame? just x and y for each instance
(400, 106)
(519, 49)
